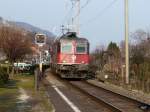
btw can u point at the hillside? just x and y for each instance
(26, 26)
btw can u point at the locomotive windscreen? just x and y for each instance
(81, 48)
(66, 48)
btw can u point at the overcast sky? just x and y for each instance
(108, 26)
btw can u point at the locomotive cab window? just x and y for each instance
(66, 48)
(81, 48)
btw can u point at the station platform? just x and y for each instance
(133, 94)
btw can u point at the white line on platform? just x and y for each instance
(75, 108)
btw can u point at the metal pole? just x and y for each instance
(126, 42)
(78, 17)
(36, 79)
(40, 64)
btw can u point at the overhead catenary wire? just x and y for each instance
(82, 7)
(65, 19)
(100, 13)
(68, 12)
(87, 2)
(67, 15)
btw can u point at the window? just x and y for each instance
(66, 48)
(81, 48)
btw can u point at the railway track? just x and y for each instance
(82, 100)
(104, 99)
(115, 101)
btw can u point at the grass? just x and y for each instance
(10, 87)
(8, 97)
(25, 81)
(10, 92)
(7, 90)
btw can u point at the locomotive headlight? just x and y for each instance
(82, 62)
(64, 61)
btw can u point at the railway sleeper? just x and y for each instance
(72, 74)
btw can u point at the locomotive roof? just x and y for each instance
(72, 36)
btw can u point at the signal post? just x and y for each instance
(40, 40)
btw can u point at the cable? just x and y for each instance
(101, 12)
(67, 15)
(87, 2)
(70, 11)
(82, 7)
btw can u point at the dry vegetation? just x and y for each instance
(15, 44)
(112, 60)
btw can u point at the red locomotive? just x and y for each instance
(70, 56)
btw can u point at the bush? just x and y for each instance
(3, 76)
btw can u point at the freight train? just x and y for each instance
(70, 56)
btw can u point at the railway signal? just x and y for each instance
(40, 39)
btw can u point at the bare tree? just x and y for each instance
(14, 43)
(140, 60)
(138, 36)
(98, 60)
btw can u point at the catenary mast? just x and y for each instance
(75, 25)
(126, 41)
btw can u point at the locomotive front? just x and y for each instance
(73, 59)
